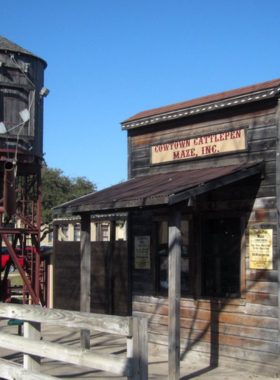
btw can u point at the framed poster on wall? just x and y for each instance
(260, 249)
(142, 252)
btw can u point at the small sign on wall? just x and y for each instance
(142, 252)
(260, 249)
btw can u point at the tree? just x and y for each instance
(58, 188)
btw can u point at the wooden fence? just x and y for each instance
(134, 365)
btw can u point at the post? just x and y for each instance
(54, 258)
(137, 348)
(110, 269)
(32, 330)
(129, 342)
(129, 262)
(85, 292)
(174, 294)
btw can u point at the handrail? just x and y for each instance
(134, 366)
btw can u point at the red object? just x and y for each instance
(5, 257)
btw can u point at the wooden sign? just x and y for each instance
(142, 252)
(230, 141)
(260, 249)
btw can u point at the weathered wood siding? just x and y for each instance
(241, 332)
(261, 138)
(67, 277)
(16, 94)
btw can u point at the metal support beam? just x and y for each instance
(174, 294)
(34, 296)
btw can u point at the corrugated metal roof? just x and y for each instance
(206, 99)
(161, 189)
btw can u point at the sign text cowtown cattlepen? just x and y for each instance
(223, 142)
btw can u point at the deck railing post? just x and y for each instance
(134, 366)
(139, 349)
(32, 330)
(129, 342)
(129, 351)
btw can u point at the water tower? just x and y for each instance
(22, 95)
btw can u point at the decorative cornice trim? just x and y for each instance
(206, 107)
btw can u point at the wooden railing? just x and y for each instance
(133, 366)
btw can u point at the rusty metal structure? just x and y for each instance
(22, 95)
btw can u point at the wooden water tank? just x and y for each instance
(21, 84)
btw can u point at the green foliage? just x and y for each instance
(16, 279)
(58, 188)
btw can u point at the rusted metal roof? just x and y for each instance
(206, 99)
(157, 190)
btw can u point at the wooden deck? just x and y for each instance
(108, 343)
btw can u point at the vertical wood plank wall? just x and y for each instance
(241, 332)
(67, 277)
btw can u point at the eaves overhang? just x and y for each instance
(93, 217)
(9, 47)
(161, 190)
(197, 109)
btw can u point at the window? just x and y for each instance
(77, 232)
(50, 237)
(64, 232)
(104, 232)
(219, 267)
(162, 257)
(221, 241)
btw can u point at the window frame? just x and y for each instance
(195, 256)
(156, 262)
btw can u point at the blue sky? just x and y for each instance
(110, 59)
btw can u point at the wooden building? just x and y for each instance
(108, 246)
(69, 229)
(203, 227)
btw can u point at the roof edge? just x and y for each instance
(7, 45)
(170, 188)
(204, 104)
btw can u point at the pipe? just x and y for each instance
(9, 189)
